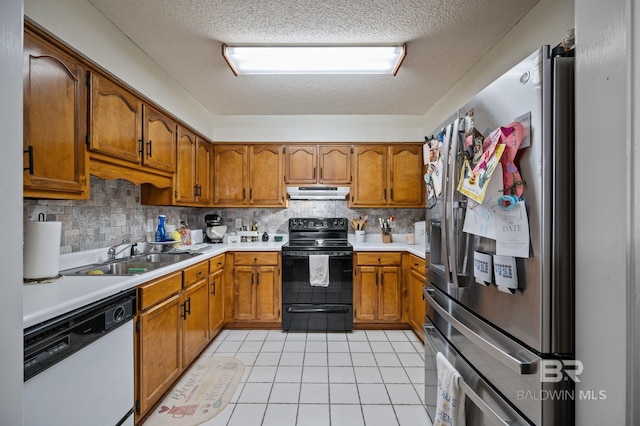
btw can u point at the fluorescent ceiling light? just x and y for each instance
(314, 59)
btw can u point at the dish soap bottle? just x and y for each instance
(160, 232)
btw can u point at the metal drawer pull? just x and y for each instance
(468, 391)
(495, 418)
(521, 367)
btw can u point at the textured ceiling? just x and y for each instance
(444, 39)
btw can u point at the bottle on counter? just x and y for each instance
(160, 231)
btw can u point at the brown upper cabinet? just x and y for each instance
(387, 176)
(159, 136)
(55, 111)
(248, 175)
(318, 164)
(126, 130)
(193, 175)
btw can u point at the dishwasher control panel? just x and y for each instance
(47, 343)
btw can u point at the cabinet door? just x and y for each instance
(159, 350)
(267, 176)
(204, 154)
(230, 175)
(301, 164)
(216, 302)
(365, 298)
(195, 324)
(389, 304)
(335, 165)
(368, 187)
(267, 293)
(116, 120)
(55, 123)
(159, 145)
(244, 301)
(185, 175)
(405, 176)
(416, 282)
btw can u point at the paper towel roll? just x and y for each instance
(41, 249)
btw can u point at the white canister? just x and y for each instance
(41, 257)
(359, 236)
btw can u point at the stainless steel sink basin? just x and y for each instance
(167, 258)
(130, 265)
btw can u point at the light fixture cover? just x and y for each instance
(314, 59)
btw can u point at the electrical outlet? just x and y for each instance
(238, 223)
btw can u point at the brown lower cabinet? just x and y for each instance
(216, 295)
(254, 293)
(377, 287)
(417, 279)
(172, 329)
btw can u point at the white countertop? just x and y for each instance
(42, 302)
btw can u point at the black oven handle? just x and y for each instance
(324, 310)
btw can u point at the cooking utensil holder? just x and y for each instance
(386, 237)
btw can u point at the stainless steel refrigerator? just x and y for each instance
(514, 349)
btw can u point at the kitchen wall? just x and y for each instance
(114, 213)
(11, 336)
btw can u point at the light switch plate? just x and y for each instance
(238, 223)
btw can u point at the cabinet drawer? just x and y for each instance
(378, 258)
(418, 264)
(256, 258)
(194, 273)
(156, 291)
(216, 263)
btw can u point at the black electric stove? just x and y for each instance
(308, 307)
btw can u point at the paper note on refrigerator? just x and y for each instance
(504, 268)
(474, 182)
(512, 231)
(479, 219)
(482, 268)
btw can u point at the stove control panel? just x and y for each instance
(318, 224)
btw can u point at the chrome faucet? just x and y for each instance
(112, 253)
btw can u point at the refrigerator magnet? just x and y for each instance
(482, 268)
(504, 268)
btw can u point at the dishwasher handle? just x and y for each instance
(517, 365)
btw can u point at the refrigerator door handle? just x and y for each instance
(468, 391)
(450, 209)
(445, 217)
(517, 365)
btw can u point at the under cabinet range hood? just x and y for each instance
(318, 192)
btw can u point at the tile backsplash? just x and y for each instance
(114, 213)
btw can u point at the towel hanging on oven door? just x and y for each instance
(319, 270)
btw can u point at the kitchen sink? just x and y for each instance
(133, 265)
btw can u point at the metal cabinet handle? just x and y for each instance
(521, 367)
(186, 308)
(213, 292)
(149, 147)
(29, 151)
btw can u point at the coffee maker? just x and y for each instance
(215, 229)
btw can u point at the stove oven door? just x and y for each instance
(311, 308)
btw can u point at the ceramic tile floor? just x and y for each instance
(372, 378)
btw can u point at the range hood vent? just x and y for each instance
(318, 192)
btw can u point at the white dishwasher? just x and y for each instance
(79, 366)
